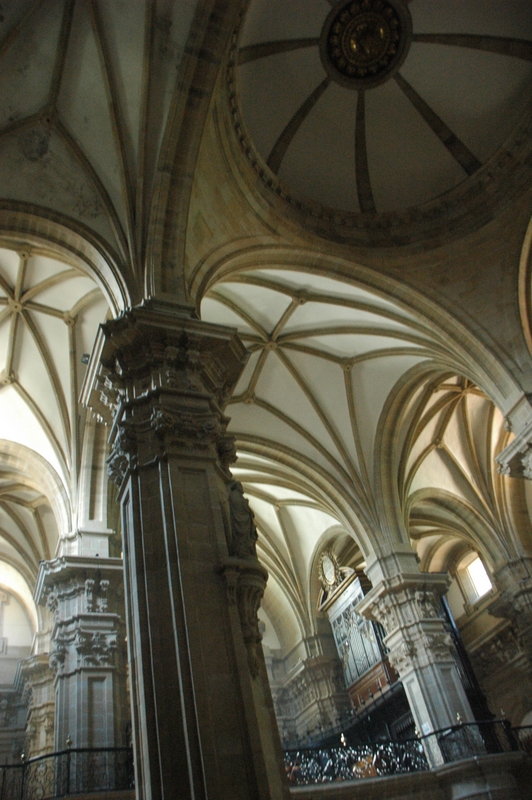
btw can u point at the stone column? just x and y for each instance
(203, 720)
(514, 582)
(406, 604)
(85, 596)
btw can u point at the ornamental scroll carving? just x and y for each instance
(196, 428)
(427, 603)
(245, 576)
(58, 654)
(95, 648)
(124, 447)
(96, 598)
(499, 652)
(408, 608)
(246, 582)
(162, 381)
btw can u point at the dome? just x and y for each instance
(377, 107)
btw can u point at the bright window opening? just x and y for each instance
(479, 577)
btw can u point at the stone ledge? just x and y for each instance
(124, 795)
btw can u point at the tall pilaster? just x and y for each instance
(193, 581)
(85, 597)
(406, 605)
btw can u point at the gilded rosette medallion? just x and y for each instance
(364, 42)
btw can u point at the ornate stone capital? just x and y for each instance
(163, 380)
(407, 606)
(95, 648)
(70, 585)
(497, 653)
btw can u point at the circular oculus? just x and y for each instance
(328, 569)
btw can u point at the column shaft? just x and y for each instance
(203, 718)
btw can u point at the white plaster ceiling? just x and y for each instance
(474, 89)
(28, 531)
(49, 314)
(326, 361)
(294, 521)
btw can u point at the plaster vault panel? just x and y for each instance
(49, 315)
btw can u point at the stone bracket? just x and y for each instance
(246, 581)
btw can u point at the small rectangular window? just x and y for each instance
(479, 577)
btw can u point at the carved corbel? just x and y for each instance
(246, 581)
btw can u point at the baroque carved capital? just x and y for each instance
(495, 654)
(407, 606)
(95, 648)
(58, 655)
(154, 348)
(163, 380)
(187, 427)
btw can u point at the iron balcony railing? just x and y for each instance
(311, 765)
(68, 772)
(77, 771)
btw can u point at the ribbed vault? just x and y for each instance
(451, 494)
(325, 357)
(49, 314)
(295, 521)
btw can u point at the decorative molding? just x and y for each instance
(364, 42)
(58, 655)
(187, 428)
(313, 696)
(95, 648)
(515, 461)
(459, 211)
(243, 530)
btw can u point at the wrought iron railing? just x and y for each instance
(308, 765)
(321, 765)
(68, 772)
(77, 771)
(468, 739)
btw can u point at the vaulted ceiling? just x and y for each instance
(347, 420)
(356, 412)
(49, 313)
(91, 130)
